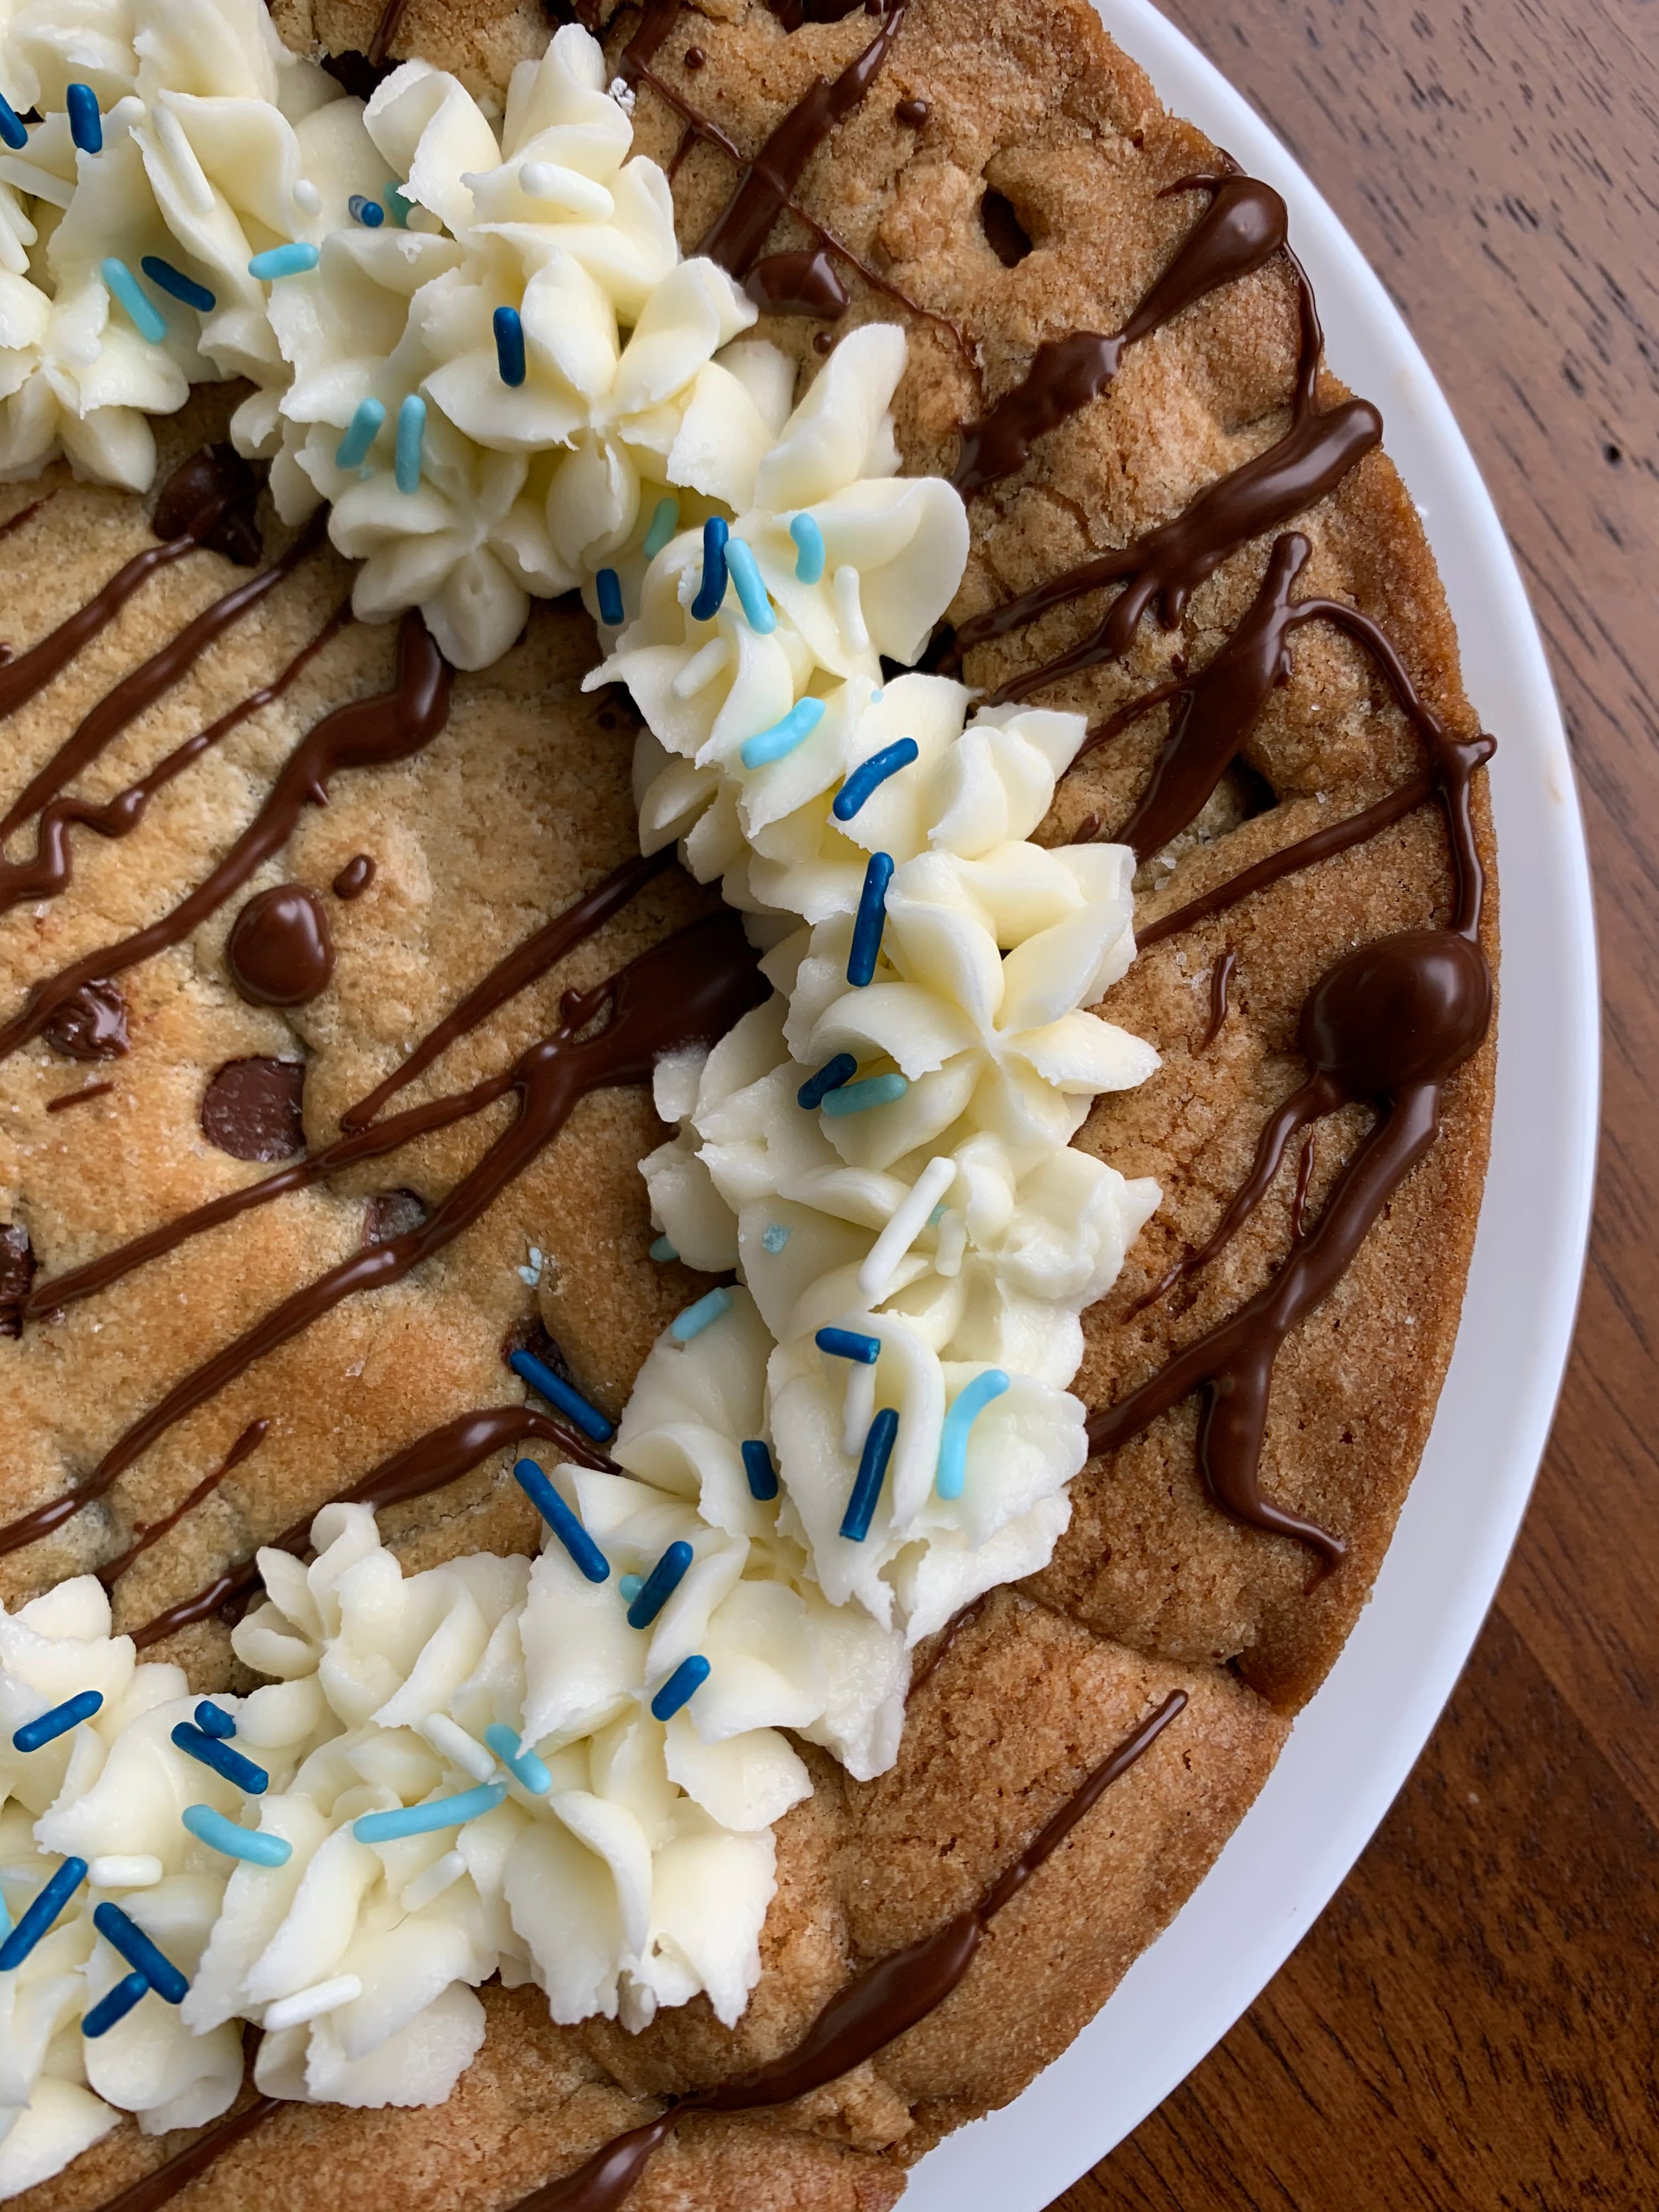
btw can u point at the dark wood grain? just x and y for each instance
(1471, 2025)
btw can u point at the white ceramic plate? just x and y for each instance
(1354, 1745)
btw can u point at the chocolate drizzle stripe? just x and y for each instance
(88, 1091)
(159, 2188)
(14, 522)
(369, 734)
(432, 1462)
(884, 2000)
(244, 1449)
(137, 693)
(1221, 976)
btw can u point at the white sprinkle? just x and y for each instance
(192, 178)
(311, 2003)
(559, 187)
(952, 1242)
(858, 1407)
(132, 1870)
(622, 93)
(306, 197)
(451, 1741)
(704, 666)
(849, 611)
(439, 1876)
(908, 1219)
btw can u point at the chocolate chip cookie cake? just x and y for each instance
(746, 949)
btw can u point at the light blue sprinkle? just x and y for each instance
(965, 1408)
(146, 317)
(762, 1475)
(586, 1554)
(871, 922)
(135, 1947)
(167, 278)
(366, 211)
(859, 1097)
(509, 326)
(14, 132)
(937, 1215)
(209, 1751)
(366, 427)
(524, 1766)
(849, 1344)
(775, 1235)
(608, 586)
(421, 1820)
(630, 1586)
(115, 2006)
(809, 558)
(411, 438)
(682, 1686)
(870, 775)
(214, 1719)
(284, 261)
(220, 1834)
(558, 1392)
(86, 124)
(750, 590)
(398, 204)
(693, 1322)
(796, 725)
(662, 1250)
(46, 1727)
(665, 521)
(39, 1915)
(659, 1585)
(872, 1473)
(712, 590)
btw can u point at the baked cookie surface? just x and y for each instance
(1006, 179)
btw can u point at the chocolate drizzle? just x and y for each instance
(208, 501)
(88, 1091)
(369, 734)
(159, 2188)
(805, 283)
(1221, 976)
(152, 1533)
(362, 74)
(884, 2000)
(91, 1023)
(280, 951)
(1244, 227)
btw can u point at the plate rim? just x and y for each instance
(1358, 1740)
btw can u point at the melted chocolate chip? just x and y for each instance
(17, 1269)
(355, 878)
(1005, 234)
(805, 283)
(90, 1024)
(280, 952)
(392, 1213)
(254, 1110)
(210, 498)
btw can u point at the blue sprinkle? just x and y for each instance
(411, 437)
(965, 1409)
(750, 590)
(562, 1521)
(859, 1097)
(509, 346)
(558, 1392)
(665, 521)
(662, 1250)
(115, 2006)
(809, 558)
(775, 1235)
(219, 1834)
(693, 1322)
(849, 1344)
(682, 1686)
(38, 1915)
(871, 919)
(524, 1766)
(135, 1947)
(167, 278)
(58, 1722)
(937, 1215)
(796, 725)
(630, 1586)
(421, 1820)
(366, 427)
(762, 1475)
(398, 205)
(872, 1473)
(14, 132)
(222, 1759)
(146, 317)
(608, 585)
(869, 775)
(86, 124)
(712, 590)
(284, 261)
(659, 1585)
(214, 1719)
(830, 1077)
(366, 211)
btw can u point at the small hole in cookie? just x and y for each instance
(1612, 455)
(1005, 234)
(1255, 795)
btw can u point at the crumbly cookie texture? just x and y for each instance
(524, 801)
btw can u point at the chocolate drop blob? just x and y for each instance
(280, 952)
(91, 1023)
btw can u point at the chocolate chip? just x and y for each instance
(254, 1110)
(211, 497)
(392, 1213)
(90, 1024)
(17, 1270)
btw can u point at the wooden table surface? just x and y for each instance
(1471, 2024)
